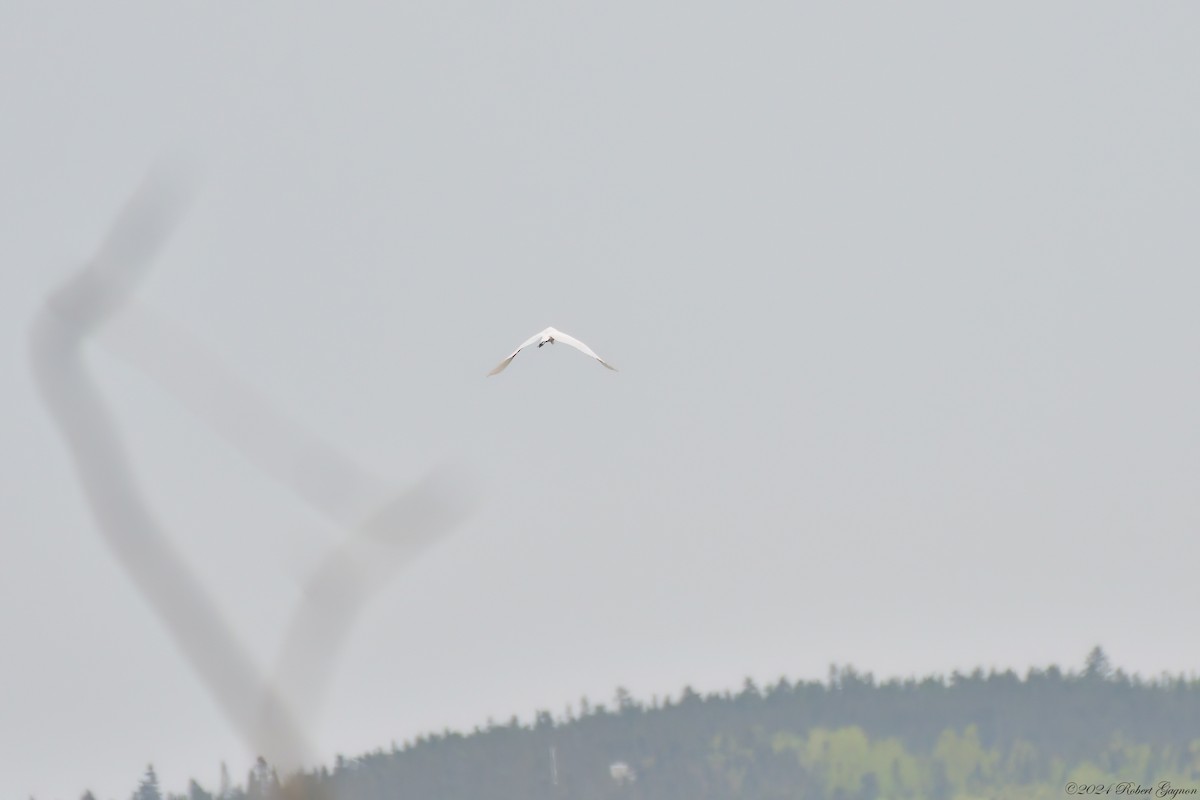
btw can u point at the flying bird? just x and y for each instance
(551, 336)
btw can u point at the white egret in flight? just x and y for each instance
(551, 336)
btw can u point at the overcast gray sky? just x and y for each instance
(903, 301)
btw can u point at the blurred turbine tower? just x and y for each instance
(386, 527)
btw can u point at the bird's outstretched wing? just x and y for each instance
(559, 336)
(500, 367)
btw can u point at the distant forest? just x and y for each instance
(1049, 734)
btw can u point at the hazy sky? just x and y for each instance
(903, 302)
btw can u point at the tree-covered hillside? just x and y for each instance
(978, 735)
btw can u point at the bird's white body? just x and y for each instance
(551, 336)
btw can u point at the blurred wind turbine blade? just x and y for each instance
(386, 543)
(103, 469)
(388, 528)
(140, 231)
(322, 476)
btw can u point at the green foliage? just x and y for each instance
(148, 788)
(196, 792)
(968, 737)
